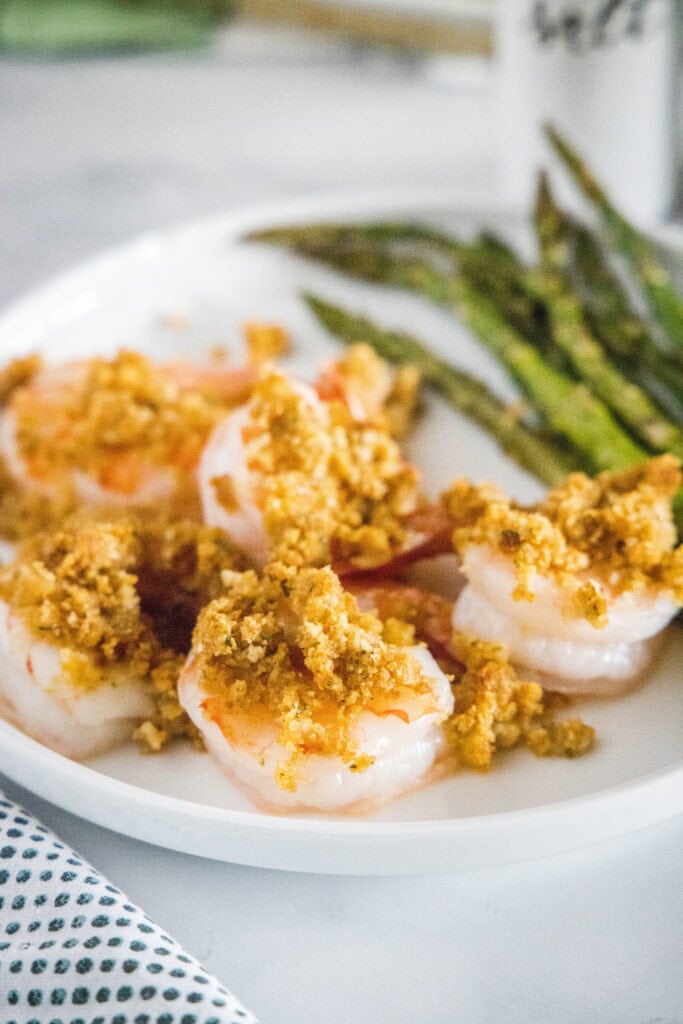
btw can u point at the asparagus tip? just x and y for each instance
(569, 156)
(321, 309)
(550, 131)
(269, 235)
(544, 194)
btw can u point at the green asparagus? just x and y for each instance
(664, 301)
(502, 279)
(577, 255)
(620, 329)
(627, 400)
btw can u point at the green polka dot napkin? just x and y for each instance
(74, 950)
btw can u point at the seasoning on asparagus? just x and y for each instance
(577, 254)
(624, 333)
(470, 396)
(630, 402)
(493, 268)
(502, 278)
(664, 301)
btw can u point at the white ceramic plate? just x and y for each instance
(139, 296)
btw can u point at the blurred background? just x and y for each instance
(121, 116)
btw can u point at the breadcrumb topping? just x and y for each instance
(330, 486)
(17, 372)
(266, 342)
(616, 530)
(24, 513)
(114, 419)
(76, 588)
(496, 710)
(403, 403)
(295, 645)
(373, 390)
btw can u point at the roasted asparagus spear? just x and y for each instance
(576, 254)
(634, 407)
(664, 301)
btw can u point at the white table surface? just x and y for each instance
(97, 150)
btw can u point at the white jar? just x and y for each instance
(605, 73)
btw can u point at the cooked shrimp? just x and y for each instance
(579, 586)
(120, 431)
(231, 488)
(291, 477)
(230, 501)
(563, 664)
(77, 652)
(374, 402)
(400, 745)
(371, 390)
(427, 533)
(428, 614)
(323, 714)
(555, 609)
(38, 696)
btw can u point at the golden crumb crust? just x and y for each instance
(495, 709)
(17, 372)
(118, 590)
(295, 646)
(115, 419)
(265, 342)
(329, 486)
(76, 588)
(616, 530)
(373, 390)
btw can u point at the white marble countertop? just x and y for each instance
(95, 151)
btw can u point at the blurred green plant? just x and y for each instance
(79, 27)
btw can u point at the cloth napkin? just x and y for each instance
(75, 950)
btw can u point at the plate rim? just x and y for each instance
(54, 298)
(102, 262)
(340, 825)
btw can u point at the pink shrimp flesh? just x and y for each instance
(76, 722)
(403, 745)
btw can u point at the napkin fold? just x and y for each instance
(75, 950)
